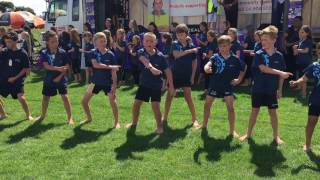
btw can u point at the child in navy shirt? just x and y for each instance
(75, 54)
(303, 52)
(104, 77)
(135, 64)
(183, 71)
(55, 62)
(119, 47)
(268, 77)
(226, 71)
(151, 80)
(236, 47)
(212, 48)
(312, 72)
(88, 46)
(13, 70)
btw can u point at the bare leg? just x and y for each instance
(135, 113)
(25, 106)
(44, 107)
(304, 90)
(157, 116)
(2, 112)
(167, 106)
(114, 106)
(312, 122)
(67, 106)
(188, 99)
(231, 115)
(86, 108)
(206, 112)
(252, 122)
(274, 123)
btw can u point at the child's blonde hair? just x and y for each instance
(99, 35)
(234, 31)
(25, 36)
(150, 34)
(271, 31)
(137, 38)
(224, 39)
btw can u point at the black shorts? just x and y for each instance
(11, 89)
(181, 82)
(314, 110)
(95, 89)
(52, 90)
(262, 99)
(219, 94)
(88, 62)
(145, 94)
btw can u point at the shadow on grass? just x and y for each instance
(266, 158)
(6, 126)
(33, 131)
(82, 136)
(77, 85)
(214, 147)
(314, 158)
(141, 143)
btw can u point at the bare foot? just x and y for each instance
(306, 148)
(30, 118)
(159, 130)
(3, 117)
(131, 125)
(201, 126)
(234, 134)
(243, 138)
(195, 124)
(278, 141)
(85, 122)
(40, 118)
(117, 126)
(71, 122)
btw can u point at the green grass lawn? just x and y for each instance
(54, 150)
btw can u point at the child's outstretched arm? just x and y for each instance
(97, 65)
(303, 79)
(179, 54)
(61, 75)
(149, 66)
(268, 70)
(170, 80)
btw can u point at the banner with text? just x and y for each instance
(255, 6)
(188, 7)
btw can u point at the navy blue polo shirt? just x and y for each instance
(182, 66)
(257, 47)
(212, 46)
(305, 58)
(102, 77)
(313, 72)
(135, 59)
(262, 82)
(202, 37)
(58, 60)
(13, 62)
(121, 55)
(76, 53)
(147, 79)
(224, 71)
(236, 46)
(88, 47)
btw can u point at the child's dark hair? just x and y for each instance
(108, 35)
(307, 29)
(182, 28)
(154, 26)
(167, 37)
(205, 25)
(88, 34)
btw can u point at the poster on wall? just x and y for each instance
(255, 6)
(295, 9)
(188, 7)
(90, 13)
(158, 12)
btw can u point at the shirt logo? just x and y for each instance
(10, 62)
(219, 65)
(316, 73)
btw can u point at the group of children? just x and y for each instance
(174, 67)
